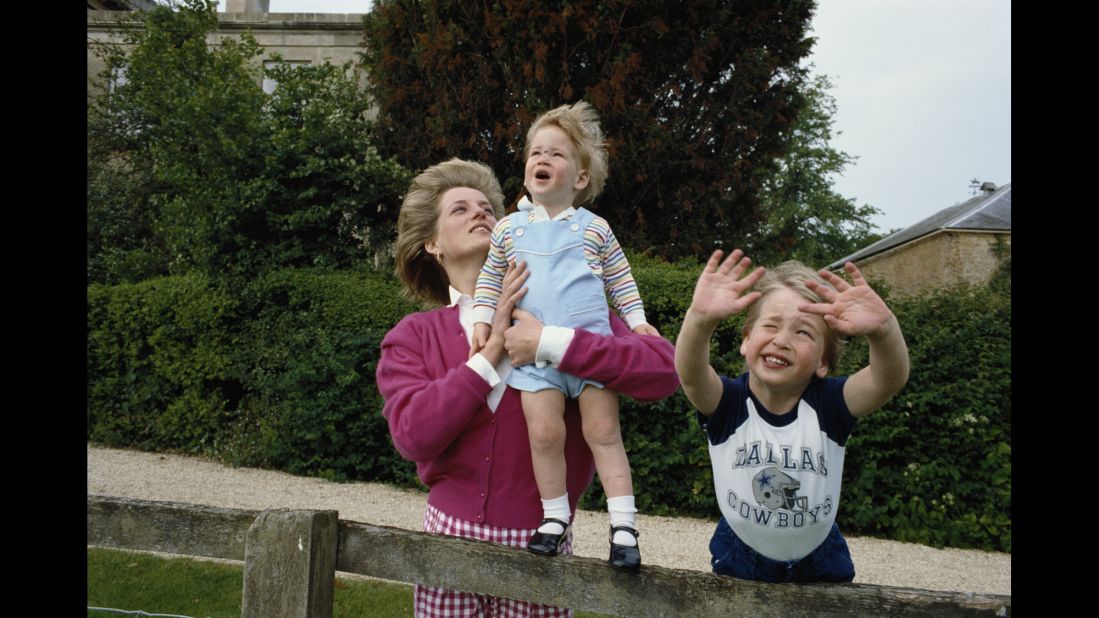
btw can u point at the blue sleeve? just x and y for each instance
(731, 411)
(826, 397)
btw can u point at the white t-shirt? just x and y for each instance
(777, 476)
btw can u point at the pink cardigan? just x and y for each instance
(476, 462)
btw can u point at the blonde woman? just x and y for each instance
(453, 413)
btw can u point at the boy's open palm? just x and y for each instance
(851, 309)
(721, 291)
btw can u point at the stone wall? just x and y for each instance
(308, 37)
(297, 37)
(942, 259)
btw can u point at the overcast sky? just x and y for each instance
(923, 90)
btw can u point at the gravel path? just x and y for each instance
(675, 542)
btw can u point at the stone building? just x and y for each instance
(120, 5)
(963, 243)
(300, 38)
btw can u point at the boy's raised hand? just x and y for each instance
(858, 310)
(851, 309)
(721, 290)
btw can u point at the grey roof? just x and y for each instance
(987, 212)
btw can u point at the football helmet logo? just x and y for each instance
(775, 489)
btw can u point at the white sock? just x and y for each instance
(557, 508)
(623, 513)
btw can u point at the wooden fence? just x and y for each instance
(291, 557)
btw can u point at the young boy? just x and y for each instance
(777, 433)
(574, 263)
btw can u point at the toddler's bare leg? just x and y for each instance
(545, 414)
(599, 415)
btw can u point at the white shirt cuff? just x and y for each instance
(483, 314)
(483, 368)
(552, 345)
(636, 318)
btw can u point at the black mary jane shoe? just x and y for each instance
(545, 543)
(625, 557)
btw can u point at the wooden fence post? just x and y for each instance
(290, 565)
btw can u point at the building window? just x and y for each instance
(269, 84)
(118, 79)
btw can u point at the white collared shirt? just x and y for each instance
(538, 213)
(551, 349)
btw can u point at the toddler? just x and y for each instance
(575, 263)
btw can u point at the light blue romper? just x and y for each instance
(562, 290)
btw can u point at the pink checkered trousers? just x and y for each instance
(442, 603)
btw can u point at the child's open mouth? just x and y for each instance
(542, 175)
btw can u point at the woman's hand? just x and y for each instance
(521, 339)
(513, 290)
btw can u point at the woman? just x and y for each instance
(452, 413)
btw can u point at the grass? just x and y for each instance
(189, 587)
(185, 586)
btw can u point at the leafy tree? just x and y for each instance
(121, 243)
(806, 219)
(175, 138)
(325, 190)
(695, 98)
(218, 176)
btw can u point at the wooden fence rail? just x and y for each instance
(291, 557)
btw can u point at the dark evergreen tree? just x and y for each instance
(694, 97)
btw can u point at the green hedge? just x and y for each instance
(158, 353)
(280, 374)
(306, 370)
(934, 466)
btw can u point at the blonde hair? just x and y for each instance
(793, 275)
(421, 275)
(580, 123)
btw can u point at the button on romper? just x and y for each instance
(562, 290)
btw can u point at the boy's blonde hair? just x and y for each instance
(793, 275)
(421, 275)
(580, 123)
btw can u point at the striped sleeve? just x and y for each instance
(601, 245)
(491, 279)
